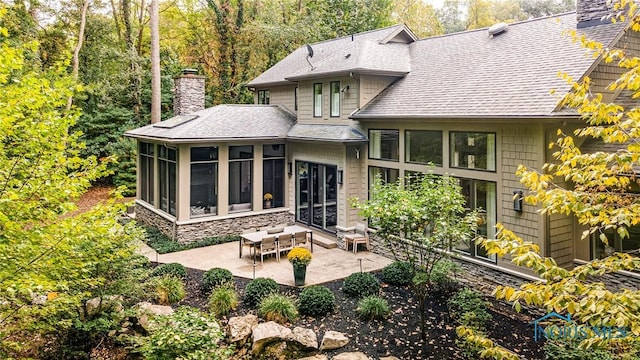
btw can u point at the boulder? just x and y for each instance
(307, 338)
(239, 328)
(266, 333)
(147, 310)
(315, 357)
(97, 305)
(351, 356)
(333, 340)
(389, 358)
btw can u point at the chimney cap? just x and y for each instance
(189, 71)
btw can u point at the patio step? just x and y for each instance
(324, 241)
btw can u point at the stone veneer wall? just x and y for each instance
(188, 94)
(186, 233)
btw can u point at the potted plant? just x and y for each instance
(299, 257)
(267, 200)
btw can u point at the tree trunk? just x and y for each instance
(155, 62)
(76, 51)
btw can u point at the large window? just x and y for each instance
(424, 147)
(317, 100)
(240, 175)
(387, 175)
(146, 161)
(335, 99)
(473, 150)
(481, 196)
(384, 144)
(167, 173)
(204, 181)
(273, 174)
(263, 97)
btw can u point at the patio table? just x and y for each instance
(255, 238)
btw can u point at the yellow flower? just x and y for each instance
(268, 196)
(299, 256)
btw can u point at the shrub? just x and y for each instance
(299, 256)
(443, 275)
(468, 308)
(185, 334)
(258, 289)
(359, 285)
(316, 301)
(278, 308)
(223, 300)
(398, 273)
(559, 349)
(373, 308)
(215, 277)
(164, 244)
(170, 269)
(168, 290)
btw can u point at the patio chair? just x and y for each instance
(268, 246)
(360, 236)
(300, 239)
(285, 243)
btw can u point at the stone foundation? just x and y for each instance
(190, 232)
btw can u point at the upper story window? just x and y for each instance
(335, 99)
(263, 97)
(295, 99)
(473, 150)
(424, 147)
(384, 144)
(317, 100)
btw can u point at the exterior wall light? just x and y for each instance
(518, 196)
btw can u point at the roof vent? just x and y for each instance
(498, 29)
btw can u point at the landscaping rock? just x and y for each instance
(389, 358)
(315, 357)
(240, 327)
(351, 356)
(147, 310)
(98, 305)
(266, 333)
(305, 337)
(333, 340)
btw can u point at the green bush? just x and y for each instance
(223, 300)
(258, 289)
(373, 308)
(215, 277)
(168, 290)
(171, 269)
(468, 308)
(398, 273)
(359, 285)
(185, 334)
(163, 244)
(278, 308)
(443, 275)
(568, 350)
(316, 301)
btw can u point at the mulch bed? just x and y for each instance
(399, 334)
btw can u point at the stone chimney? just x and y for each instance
(188, 95)
(593, 12)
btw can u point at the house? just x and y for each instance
(332, 115)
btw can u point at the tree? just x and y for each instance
(52, 259)
(539, 8)
(602, 198)
(155, 62)
(451, 16)
(419, 16)
(418, 223)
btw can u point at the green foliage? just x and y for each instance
(316, 301)
(443, 275)
(215, 277)
(398, 273)
(569, 350)
(476, 345)
(373, 308)
(469, 309)
(258, 289)
(176, 270)
(359, 285)
(169, 290)
(163, 244)
(185, 334)
(223, 300)
(124, 166)
(278, 308)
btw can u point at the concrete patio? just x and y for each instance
(326, 265)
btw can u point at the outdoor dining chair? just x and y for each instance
(300, 239)
(285, 243)
(267, 246)
(360, 236)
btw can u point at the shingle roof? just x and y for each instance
(337, 133)
(471, 74)
(220, 123)
(330, 57)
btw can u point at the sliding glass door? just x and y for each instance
(316, 195)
